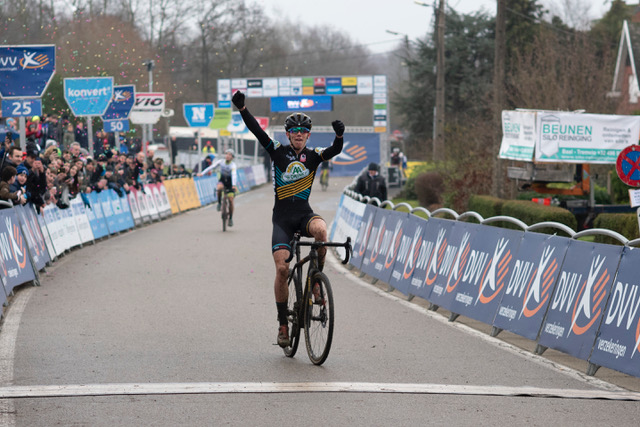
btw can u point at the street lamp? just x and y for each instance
(438, 141)
(150, 63)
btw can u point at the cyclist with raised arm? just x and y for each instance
(227, 178)
(293, 168)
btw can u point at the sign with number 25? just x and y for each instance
(21, 107)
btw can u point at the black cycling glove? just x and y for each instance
(238, 100)
(338, 127)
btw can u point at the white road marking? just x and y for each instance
(75, 390)
(577, 375)
(7, 350)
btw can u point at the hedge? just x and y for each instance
(526, 211)
(625, 224)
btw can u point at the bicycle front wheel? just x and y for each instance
(224, 212)
(293, 308)
(318, 318)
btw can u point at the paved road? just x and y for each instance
(175, 324)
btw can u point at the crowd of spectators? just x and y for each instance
(56, 166)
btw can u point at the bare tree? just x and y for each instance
(562, 72)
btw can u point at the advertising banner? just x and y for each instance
(384, 244)
(17, 268)
(88, 96)
(348, 222)
(47, 237)
(282, 104)
(480, 273)
(56, 229)
(518, 135)
(580, 296)
(426, 257)
(221, 118)
(126, 213)
(148, 108)
(110, 218)
(133, 205)
(72, 237)
(409, 248)
(33, 234)
(82, 221)
(584, 138)
(120, 217)
(122, 101)
(530, 284)
(198, 115)
(143, 206)
(618, 341)
(25, 71)
(96, 216)
(364, 235)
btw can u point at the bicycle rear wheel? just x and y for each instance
(318, 318)
(294, 322)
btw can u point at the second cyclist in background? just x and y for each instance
(324, 173)
(227, 179)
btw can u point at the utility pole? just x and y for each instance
(150, 63)
(438, 142)
(499, 60)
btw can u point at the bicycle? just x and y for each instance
(311, 308)
(324, 179)
(225, 209)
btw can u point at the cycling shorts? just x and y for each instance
(286, 224)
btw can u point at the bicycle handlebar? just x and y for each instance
(346, 245)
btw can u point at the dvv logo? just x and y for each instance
(495, 272)
(539, 288)
(587, 307)
(34, 60)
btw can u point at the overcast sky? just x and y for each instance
(367, 21)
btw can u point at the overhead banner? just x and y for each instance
(25, 71)
(584, 138)
(301, 103)
(148, 108)
(518, 135)
(580, 297)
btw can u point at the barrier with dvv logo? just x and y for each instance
(578, 297)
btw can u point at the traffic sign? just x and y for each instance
(25, 71)
(198, 115)
(121, 125)
(628, 165)
(124, 97)
(21, 107)
(88, 96)
(148, 108)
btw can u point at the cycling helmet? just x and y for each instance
(297, 120)
(230, 151)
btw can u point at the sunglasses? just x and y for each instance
(299, 130)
